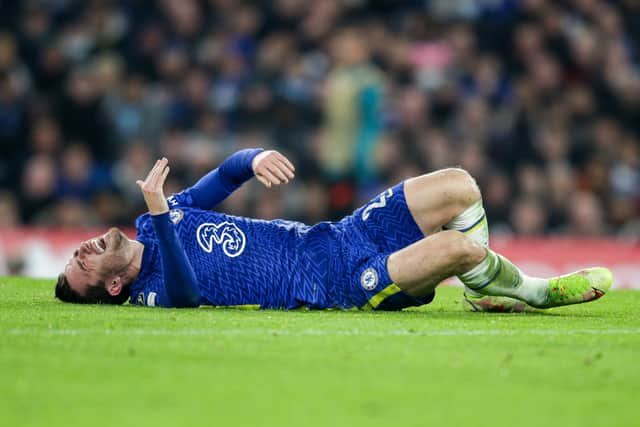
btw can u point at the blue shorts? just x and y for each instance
(368, 236)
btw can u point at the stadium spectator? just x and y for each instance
(37, 190)
(538, 99)
(9, 215)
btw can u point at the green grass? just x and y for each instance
(68, 365)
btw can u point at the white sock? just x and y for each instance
(496, 275)
(473, 223)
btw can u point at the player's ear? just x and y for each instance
(114, 286)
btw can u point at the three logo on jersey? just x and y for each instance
(226, 234)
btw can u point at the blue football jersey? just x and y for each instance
(284, 264)
(240, 261)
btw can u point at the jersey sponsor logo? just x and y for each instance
(380, 203)
(176, 215)
(140, 299)
(172, 200)
(369, 279)
(226, 234)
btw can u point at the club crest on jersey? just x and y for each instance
(176, 215)
(226, 234)
(369, 279)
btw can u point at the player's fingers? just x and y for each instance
(269, 176)
(275, 170)
(152, 169)
(140, 183)
(152, 174)
(286, 161)
(157, 173)
(163, 178)
(284, 167)
(263, 180)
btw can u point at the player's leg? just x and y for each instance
(451, 199)
(418, 268)
(422, 206)
(440, 198)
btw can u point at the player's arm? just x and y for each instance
(269, 167)
(179, 278)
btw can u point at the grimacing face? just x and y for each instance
(103, 258)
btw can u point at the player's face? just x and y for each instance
(98, 259)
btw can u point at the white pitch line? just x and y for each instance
(317, 332)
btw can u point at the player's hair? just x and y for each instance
(96, 294)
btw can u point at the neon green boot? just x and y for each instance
(578, 287)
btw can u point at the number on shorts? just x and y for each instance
(379, 204)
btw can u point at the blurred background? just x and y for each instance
(538, 99)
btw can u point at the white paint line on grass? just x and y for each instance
(315, 332)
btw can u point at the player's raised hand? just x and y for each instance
(152, 188)
(272, 168)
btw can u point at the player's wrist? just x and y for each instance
(158, 207)
(158, 212)
(259, 155)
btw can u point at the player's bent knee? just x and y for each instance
(466, 187)
(465, 252)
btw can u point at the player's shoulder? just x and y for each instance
(176, 216)
(183, 199)
(143, 225)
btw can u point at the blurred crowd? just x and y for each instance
(538, 99)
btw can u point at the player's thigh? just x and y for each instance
(418, 268)
(436, 198)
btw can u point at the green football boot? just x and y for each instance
(575, 288)
(578, 287)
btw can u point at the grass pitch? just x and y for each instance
(69, 365)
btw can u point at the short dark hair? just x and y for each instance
(96, 294)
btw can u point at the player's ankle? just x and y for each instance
(533, 290)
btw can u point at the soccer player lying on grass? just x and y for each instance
(388, 255)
